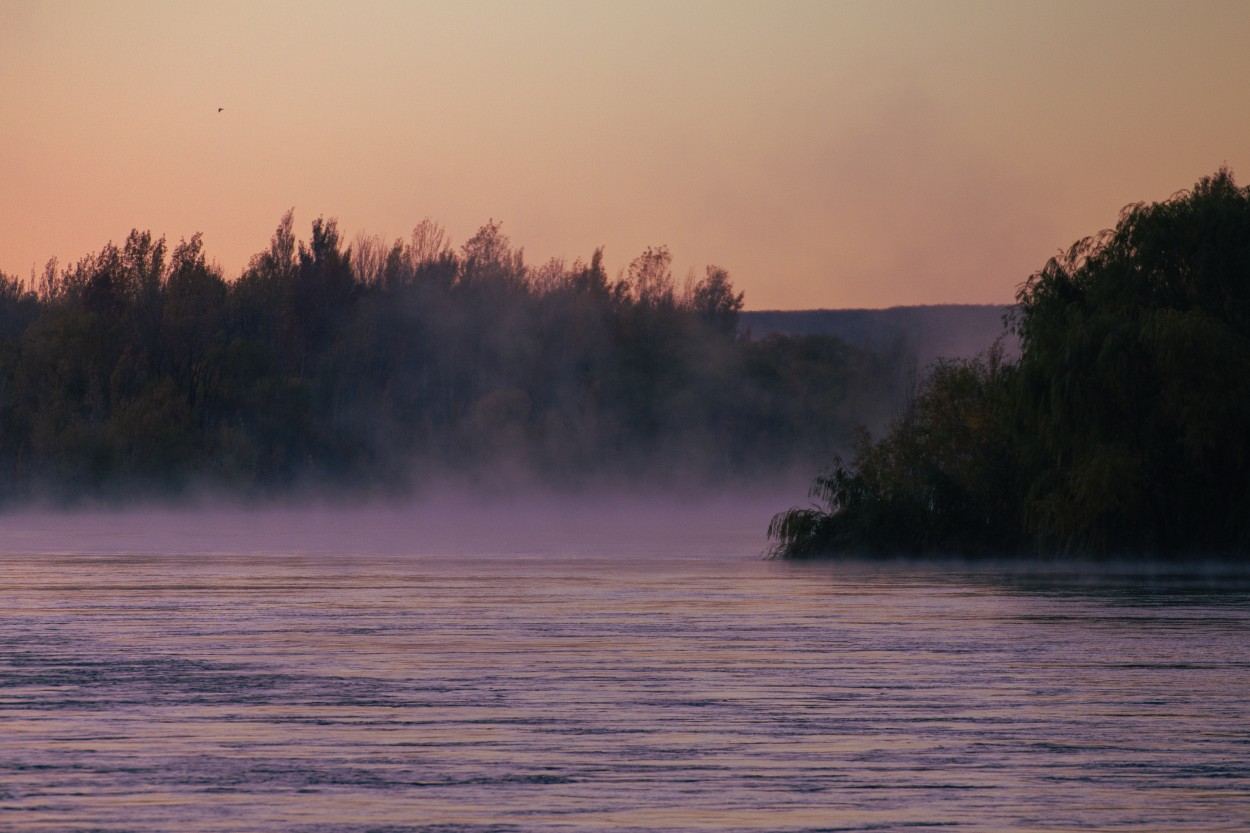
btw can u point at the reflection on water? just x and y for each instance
(530, 683)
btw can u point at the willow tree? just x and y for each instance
(1135, 378)
(943, 479)
(1124, 428)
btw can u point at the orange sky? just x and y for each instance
(829, 154)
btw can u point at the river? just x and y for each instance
(625, 668)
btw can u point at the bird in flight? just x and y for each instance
(219, 109)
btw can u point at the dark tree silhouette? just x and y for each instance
(1123, 428)
(141, 371)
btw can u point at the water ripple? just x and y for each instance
(393, 693)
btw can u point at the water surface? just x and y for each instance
(394, 671)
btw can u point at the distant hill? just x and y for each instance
(929, 332)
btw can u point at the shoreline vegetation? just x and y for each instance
(1122, 426)
(381, 368)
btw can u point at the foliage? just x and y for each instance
(1122, 428)
(943, 479)
(1135, 374)
(380, 366)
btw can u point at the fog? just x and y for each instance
(453, 525)
(921, 333)
(387, 369)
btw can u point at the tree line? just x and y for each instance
(383, 366)
(1122, 429)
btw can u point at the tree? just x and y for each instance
(488, 260)
(1135, 373)
(942, 480)
(140, 368)
(325, 290)
(194, 320)
(715, 302)
(651, 276)
(1124, 427)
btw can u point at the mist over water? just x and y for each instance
(611, 664)
(610, 524)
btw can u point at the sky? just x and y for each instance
(828, 154)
